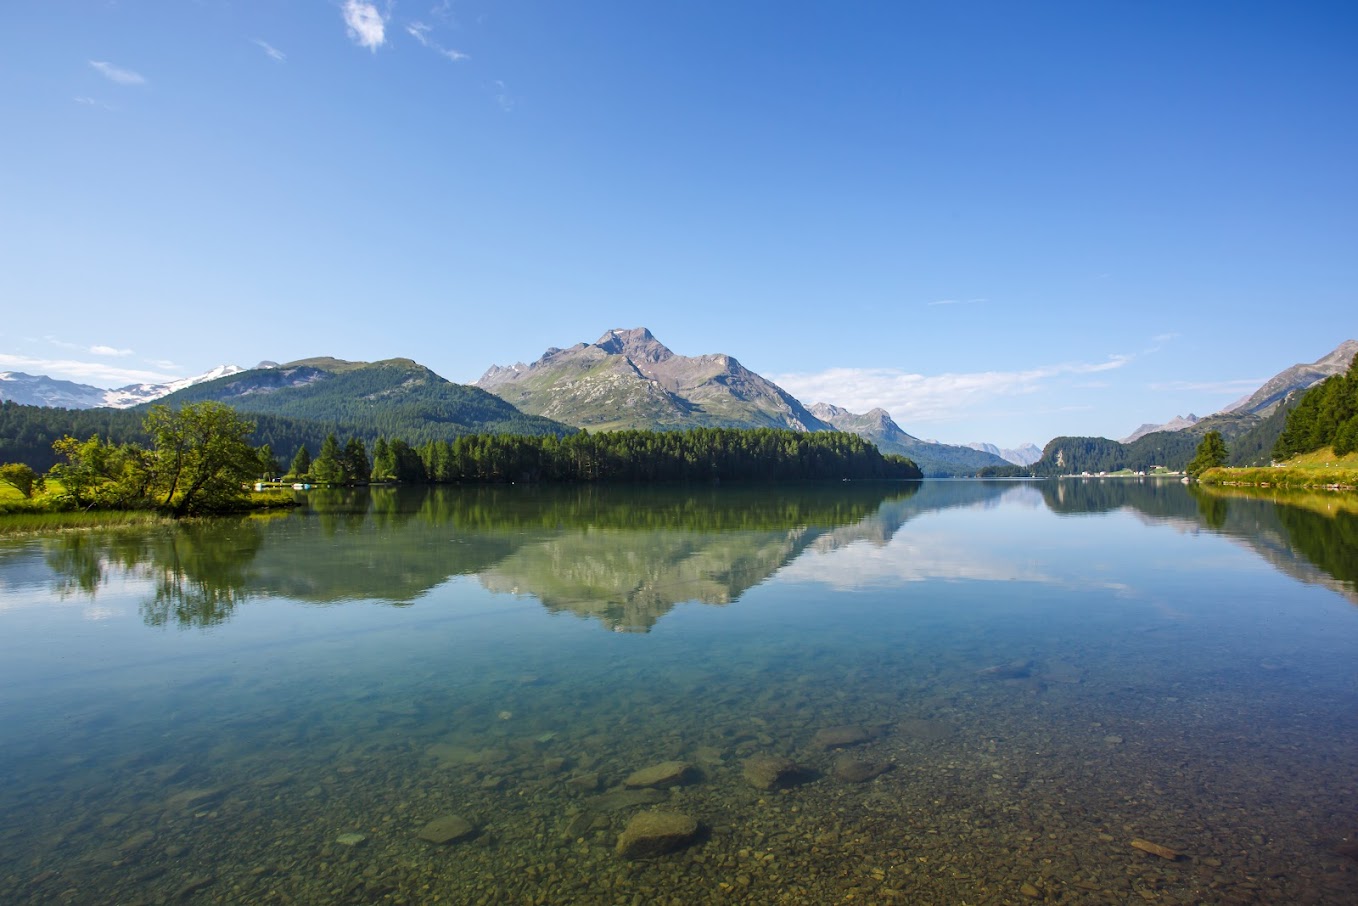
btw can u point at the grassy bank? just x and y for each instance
(44, 512)
(1318, 469)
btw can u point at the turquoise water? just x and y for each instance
(271, 710)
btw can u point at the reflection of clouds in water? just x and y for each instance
(916, 557)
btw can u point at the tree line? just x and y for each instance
(699, 454)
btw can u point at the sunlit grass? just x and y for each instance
(1318, 469)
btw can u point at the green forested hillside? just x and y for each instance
(392, 398)
(1249, 439)
(1326, 416)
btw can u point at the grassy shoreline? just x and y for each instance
(19, 516)
(1321, 469)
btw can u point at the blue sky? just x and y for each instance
(999, 221)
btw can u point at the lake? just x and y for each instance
(949, 692)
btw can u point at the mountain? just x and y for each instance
(1299, 377)
(1265, 401)
(1023, 455)
(1177, 423)
(936, 460)
(40, 390)
(392, 398)
(629, 379)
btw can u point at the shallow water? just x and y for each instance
(269, 710)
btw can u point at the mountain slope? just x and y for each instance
(41, 390)
(936, 460)
(395, 398)
(1299, 377)
(1177, 423)
(629, 379)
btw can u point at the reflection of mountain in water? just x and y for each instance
(624, 556)
(629, 578)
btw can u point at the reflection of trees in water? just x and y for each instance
(199, 571)
(1298, 532)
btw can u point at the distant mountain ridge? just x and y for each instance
(41, 390)
(936, 460)
(1299, 377)
(627, 379)
(1177, 423)
(1023, 455)
(1265, 401)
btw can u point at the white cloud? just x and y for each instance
(420, 32)
(109, 350)
(367, 26)
(273, 52)
(117, 73)
(97, 373)
(915, 398)
(503, 97)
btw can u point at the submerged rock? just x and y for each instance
(840, 737)
(448, 829)
(854, 770)
(768, 772)
(651, 834)
(1019, 669)
(658, 776)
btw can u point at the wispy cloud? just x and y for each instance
(110, 350)
(117, 73)
(420, 32)
(91, 102)
(367, 26)
(99, 373)
(273, 52)
(956, 301)
(503, 97)
(916, 398)
(1237, 386)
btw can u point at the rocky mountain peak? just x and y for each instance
(638, 344)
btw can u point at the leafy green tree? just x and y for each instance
(301, 463)
(22, 478)
(83, 467)
(328, 466)
(1211, 454)
(202, 456)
